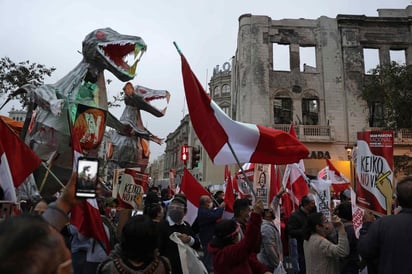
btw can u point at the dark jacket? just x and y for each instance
(206, 219)
(296, 226)
(388, 240)
(239, 257)
(350, 264)
(168, 248)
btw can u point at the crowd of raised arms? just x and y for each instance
(255, 239)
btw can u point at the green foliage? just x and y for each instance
(14, 75)
(402, 164)
(389, 86)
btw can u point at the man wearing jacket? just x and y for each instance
(207, 216)
(388, 240)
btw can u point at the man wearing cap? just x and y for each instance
(174, 223)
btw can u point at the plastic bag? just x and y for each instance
(189, 258)
(279, 269)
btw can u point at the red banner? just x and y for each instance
(374, 171)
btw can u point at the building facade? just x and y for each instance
(322, 97)
(17, 115)
(309, 72)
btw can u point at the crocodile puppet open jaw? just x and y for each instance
(116, 53)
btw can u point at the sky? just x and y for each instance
(51, 32)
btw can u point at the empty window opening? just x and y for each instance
(398, 56)
(282, 108)
(370, 59)
(310, 111)
(307, 59)
(281, 57)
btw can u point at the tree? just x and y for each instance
(13, 76)
(388, 93)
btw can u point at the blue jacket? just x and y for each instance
(206, 219)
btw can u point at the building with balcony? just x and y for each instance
(319, 88)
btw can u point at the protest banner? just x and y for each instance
(131, 186)
(261, 182)
(374, 171)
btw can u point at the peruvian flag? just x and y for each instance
(216, 131)
(86, 217)
(193, 190)
(339, 181)
(275, 181)
(229, 195)
(17, 161)
(294, 181)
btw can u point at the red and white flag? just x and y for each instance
(17, 161)
(339, 181)
(193, 191)
(275, 181)
(337, 178)
(294, 181)
(251, 143)
(86, 217)
(229, 195)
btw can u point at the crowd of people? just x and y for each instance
(150, 240)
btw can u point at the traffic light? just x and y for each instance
(195, 157)
(184, 153)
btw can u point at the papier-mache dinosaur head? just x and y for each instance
(141, 98)
(108, 49)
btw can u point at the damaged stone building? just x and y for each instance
(309, 72)
(319, 88)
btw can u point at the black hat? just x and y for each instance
(180, 198)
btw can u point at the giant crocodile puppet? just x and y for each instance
(130, 150)
(79, 100)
